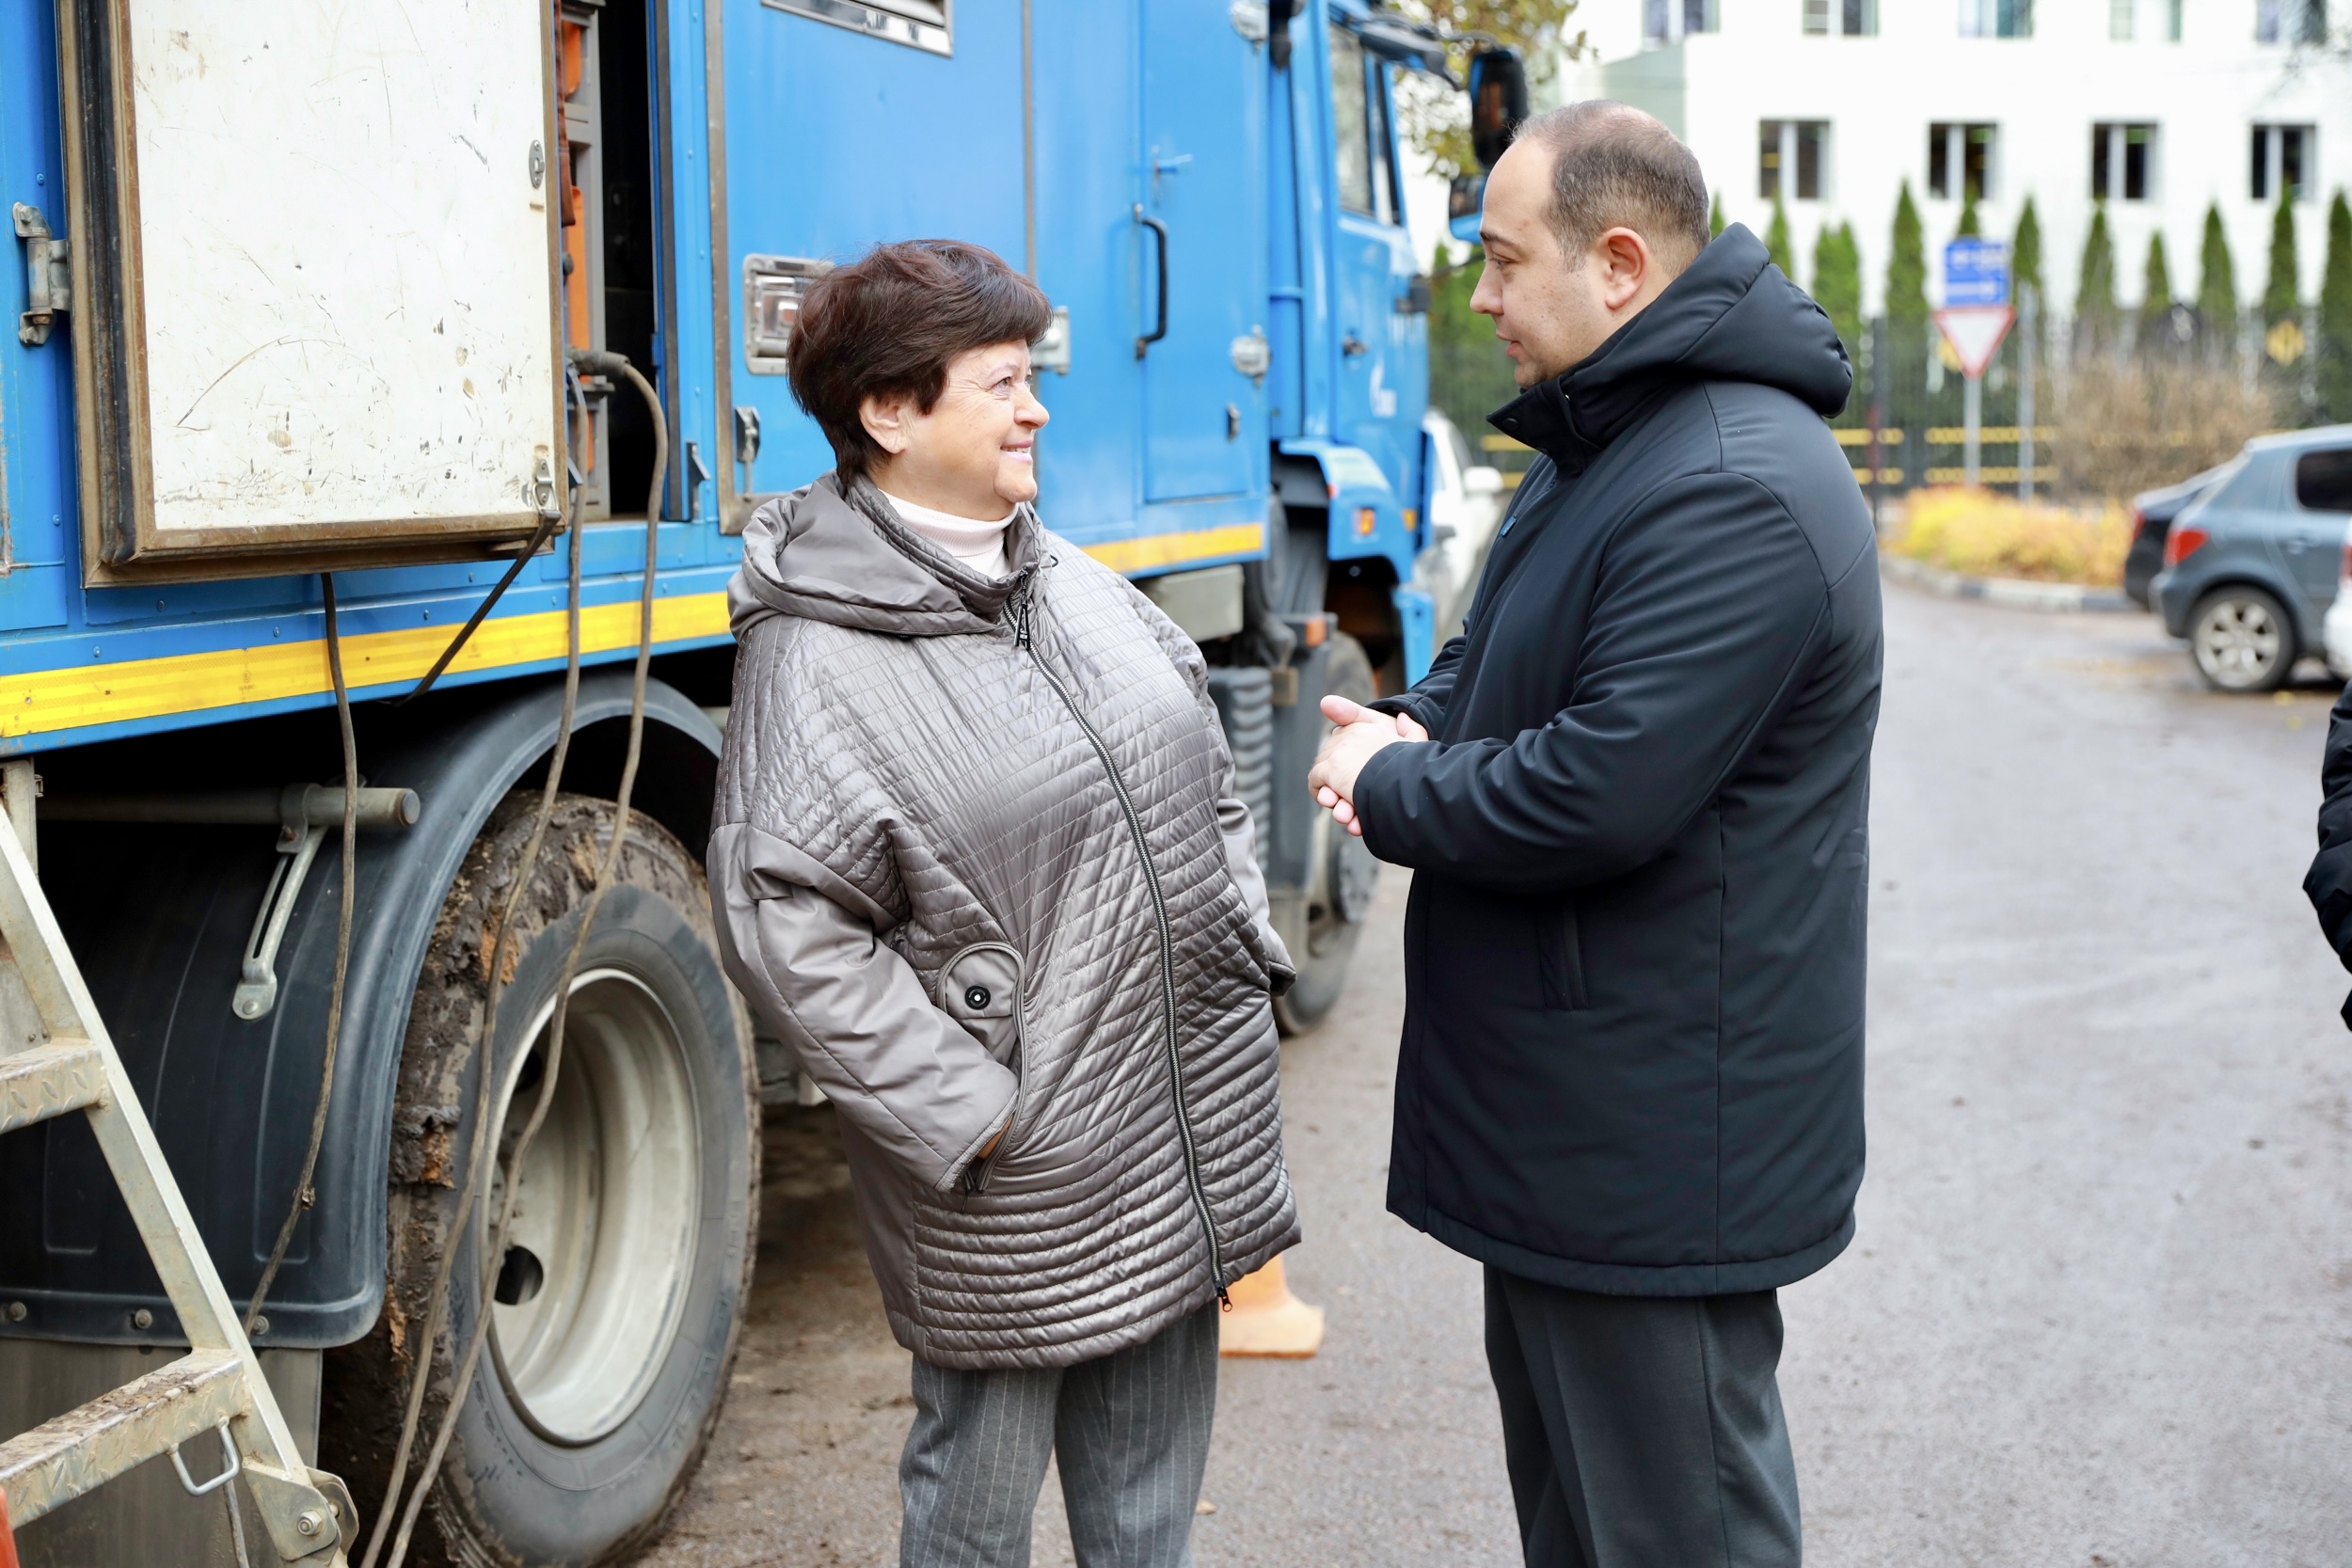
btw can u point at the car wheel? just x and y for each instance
(619, 1295)
(2242, 639)
(1341, 875)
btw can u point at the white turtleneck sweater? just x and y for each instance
(978, 545)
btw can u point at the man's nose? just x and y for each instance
(1486, 299)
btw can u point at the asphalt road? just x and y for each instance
(2099, 1310)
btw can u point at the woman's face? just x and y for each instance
(971, 456)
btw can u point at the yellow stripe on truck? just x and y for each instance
(42, 700)
(1161, 550)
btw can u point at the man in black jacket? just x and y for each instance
(2328, 883)
(1635, 796)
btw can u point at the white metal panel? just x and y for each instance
(345, 262)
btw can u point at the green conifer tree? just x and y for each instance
(2216, 289)
(2025, 255)
(2282, 310)
(1907, 268)
(2283, 294)
(1837, 283)
(2094, 292)
(2155, 300)
(1715, 216)
(1776, 244)
(2335, 316)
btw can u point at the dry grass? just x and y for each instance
(2130, 425)
(1978, 533)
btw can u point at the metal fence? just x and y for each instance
(2093, 413)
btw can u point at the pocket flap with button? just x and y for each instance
(980, 989)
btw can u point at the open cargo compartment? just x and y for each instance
(306, 335)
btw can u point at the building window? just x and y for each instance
(1792, 157)
(1996, 19)
(2283, 156)
(1960, 161)
(2120, 17)
(2290, 21)
(2122, 163)
(1854, 18)
(2173, 21)
(1665, 22)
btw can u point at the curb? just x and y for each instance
(2011, 592)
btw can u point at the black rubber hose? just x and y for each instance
(304, 1193)
(477, 1157)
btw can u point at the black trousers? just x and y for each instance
(1644, 1431)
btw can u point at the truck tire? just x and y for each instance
(629, 1260)
(1340, 873)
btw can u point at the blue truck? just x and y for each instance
(377, 338)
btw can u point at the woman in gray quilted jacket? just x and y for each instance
(979, 863)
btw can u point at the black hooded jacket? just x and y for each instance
(1632, 1054)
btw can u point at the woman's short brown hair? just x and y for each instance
(886, 325)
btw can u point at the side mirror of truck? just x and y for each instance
(1497, 95)
(1463, 201)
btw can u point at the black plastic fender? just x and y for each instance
(158, 918)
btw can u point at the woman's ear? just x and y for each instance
(886, 422)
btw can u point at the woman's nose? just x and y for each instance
(1030, 411)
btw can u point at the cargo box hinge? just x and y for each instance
(48, 277)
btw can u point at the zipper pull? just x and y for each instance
(1020, 610)
(1224, 1301)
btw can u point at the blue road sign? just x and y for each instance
(1976, 272)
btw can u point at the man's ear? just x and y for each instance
(886, 422)
(1626, 265)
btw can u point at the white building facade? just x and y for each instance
(2161, 107)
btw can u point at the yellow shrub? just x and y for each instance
(1978, 533)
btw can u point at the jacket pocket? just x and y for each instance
(1559, 951)
(980, 989)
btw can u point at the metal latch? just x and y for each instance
(48, 277)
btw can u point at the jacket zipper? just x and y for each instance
(1159, 914)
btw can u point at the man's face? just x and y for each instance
(1551, 309)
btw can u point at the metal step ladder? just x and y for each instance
(217, 1386)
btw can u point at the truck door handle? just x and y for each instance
(1159, 329)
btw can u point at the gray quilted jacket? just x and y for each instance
(977, 861)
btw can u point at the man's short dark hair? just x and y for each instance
(886, 325)
(1614, 166)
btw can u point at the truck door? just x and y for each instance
(1383, 355)
(847, 125)
(313, 284)
(1201, 252)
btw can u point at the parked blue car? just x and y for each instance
(2250, 566)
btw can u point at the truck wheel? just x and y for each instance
(1341, 874)
(628, 1262)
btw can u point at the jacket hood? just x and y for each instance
(837, 551)
(1732, 315)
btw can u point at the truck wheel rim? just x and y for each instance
(2238, 642)
(601, 1245)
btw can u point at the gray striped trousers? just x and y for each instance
(1130, 1431)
